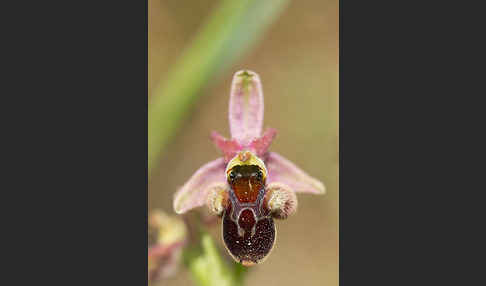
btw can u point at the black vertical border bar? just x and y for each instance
(405, 148)
(145, 125)
(374, 240)
(81, 142)
(112, 203)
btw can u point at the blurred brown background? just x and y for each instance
(298, 63)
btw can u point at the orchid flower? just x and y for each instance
(249, 186)
(167, 237)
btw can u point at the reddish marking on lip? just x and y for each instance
(246, 184)
(247, 221)
(251, 247)
(246, 190)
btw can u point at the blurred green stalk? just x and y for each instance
(231, 30)
(208, 268)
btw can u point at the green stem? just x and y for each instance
(208, 268)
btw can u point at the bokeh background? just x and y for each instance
(297, 60)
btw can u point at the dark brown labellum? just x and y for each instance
(248, 229)
(251, 239)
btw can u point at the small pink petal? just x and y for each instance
(260, 145)
(246, 107)
(194, 192)
(281, 170)
(229, 147)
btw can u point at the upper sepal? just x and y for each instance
(246, 107)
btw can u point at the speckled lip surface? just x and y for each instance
(248, 229)
(257, 240)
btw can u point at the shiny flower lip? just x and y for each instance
(249, 186)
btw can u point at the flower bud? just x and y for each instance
(167, 236)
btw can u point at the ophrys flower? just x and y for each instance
(167, 235)
(249, 186)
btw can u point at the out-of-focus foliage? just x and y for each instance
(208, 268)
